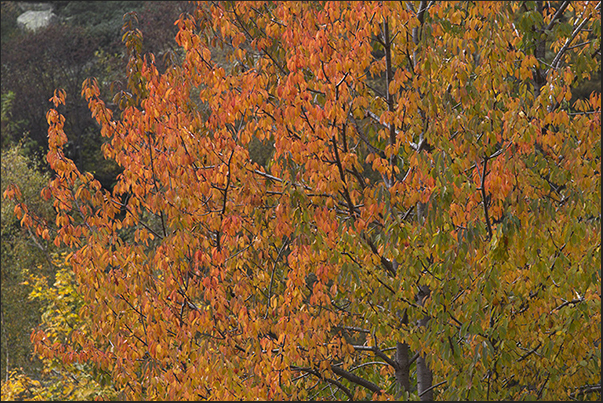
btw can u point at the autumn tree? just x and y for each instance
(427, 227)
(37, 288)
(19, 251)
(56, 380)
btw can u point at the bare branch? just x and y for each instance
(373, 116)
(566, 303)
(389, 76)
(558, 14)
(432, 387)
(378, 353)
(384, 261)
(274, 178)
(564, 48)
(356, 379)
(329, 380)
(526, 355)
(586, 389)
(484, 197)
(363, 137)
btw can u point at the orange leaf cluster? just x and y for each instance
(427, 196)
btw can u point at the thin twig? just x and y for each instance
(432, 387)
(356, 379)
(564, 48)
(329, 380)
(484, 197)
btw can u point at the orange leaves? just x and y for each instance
(12, 192)
(46, 193)
(284, 224)
(500, 182)
(90, 89)
(224, 276)
(26, 220)
(58, 98)
(459, 215)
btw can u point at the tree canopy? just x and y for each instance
(426, 227)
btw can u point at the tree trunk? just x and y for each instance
(424, 374)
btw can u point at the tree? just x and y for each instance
(37, 288)
(20, 251)
(428, 226)
(84, 43)
(59, 381)
(34, 65)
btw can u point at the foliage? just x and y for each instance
(60, 318)
(19, 386)
(156, 22)
(102, 20)
(42, 61)
(8, 17)
(20, 251)
(428, 225)
(62, 55)
(34, 65)
(10, 127)
(30, 267)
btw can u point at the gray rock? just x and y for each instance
(34, 20)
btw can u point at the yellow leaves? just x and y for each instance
(525, 70)
(158, 350)
(19, 386)
(233, 263)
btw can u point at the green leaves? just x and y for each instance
(453, 244)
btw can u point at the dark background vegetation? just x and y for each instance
(86, 42)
